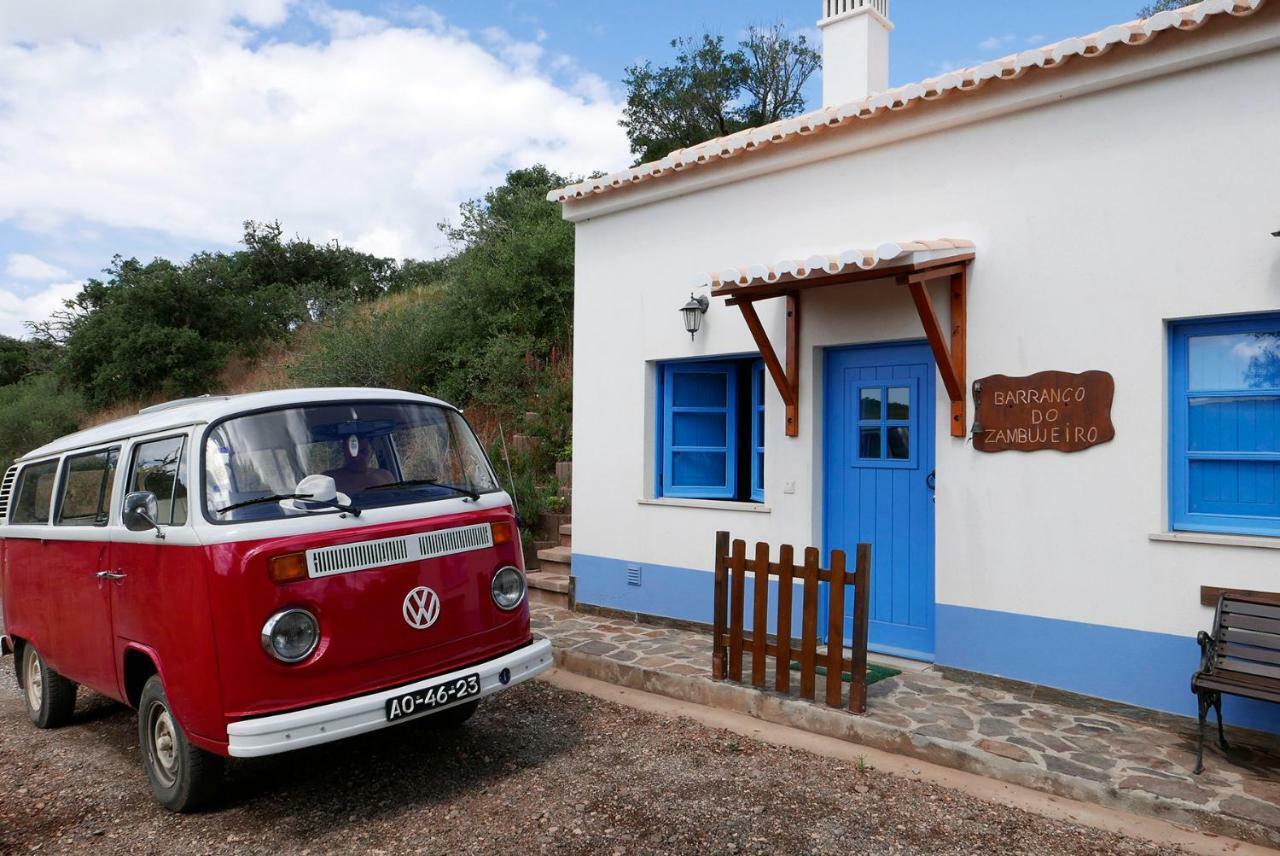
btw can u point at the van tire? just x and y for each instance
(454, 717)
(183, 777)
(49, 697)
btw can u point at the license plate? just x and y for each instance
(437, 695)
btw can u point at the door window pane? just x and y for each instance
(86, 489)
(870, 406)
(1234, 361)
(899, 402)
(899, 443)
(869, 443)
(34, 493)
(157, 467)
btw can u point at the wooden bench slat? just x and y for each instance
(1250, 622)
(1248, 652)
(1244, 607)
(1248, 637)
(1237, 684)
(1234, 664)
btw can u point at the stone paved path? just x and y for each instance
(1120, 756)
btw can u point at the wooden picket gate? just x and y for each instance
(732, 566)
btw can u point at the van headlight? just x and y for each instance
(508, 588)
(291, 635)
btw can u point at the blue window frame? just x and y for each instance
(757, 431)
(711, 430)
(1225, 426)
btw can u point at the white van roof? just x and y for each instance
(196, 411)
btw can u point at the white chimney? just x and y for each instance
(855, 49)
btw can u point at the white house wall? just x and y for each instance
(1096, 220)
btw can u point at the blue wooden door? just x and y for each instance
(879, 459)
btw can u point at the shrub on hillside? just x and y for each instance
(168, 328)
(33, 412)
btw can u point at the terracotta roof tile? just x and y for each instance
(827, 265)
(1012, 67)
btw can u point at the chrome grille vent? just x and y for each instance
(448, 541)
(365, 555)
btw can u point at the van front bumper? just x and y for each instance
(283, 732)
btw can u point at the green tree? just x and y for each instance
(710, 91)
(34, 411)
(483, 324)
(163, 327)
(22, 357)
(1163, 6)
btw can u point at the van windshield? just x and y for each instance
(362, 455)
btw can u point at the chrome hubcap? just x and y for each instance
(164, 745)
(33, 679)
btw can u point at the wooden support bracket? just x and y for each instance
(948, 353)
(950, 359)
(786, 379)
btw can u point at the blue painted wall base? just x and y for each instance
(1136, 667)
(1132, 666)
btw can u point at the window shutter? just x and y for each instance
(699, 440)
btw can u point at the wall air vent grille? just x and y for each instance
(366, 555)
(6, 491)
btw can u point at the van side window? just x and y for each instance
(86, 488)
(160, 467)
(34, 493)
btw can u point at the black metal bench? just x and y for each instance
(1241, 657)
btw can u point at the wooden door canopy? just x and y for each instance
(912, 265)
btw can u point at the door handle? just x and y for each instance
(110, 575)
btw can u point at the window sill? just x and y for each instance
(1218, 538)
(716, 504)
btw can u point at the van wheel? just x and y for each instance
(454, 717)
(183, 777)
(50, 698)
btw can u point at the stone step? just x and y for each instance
(566, 536)
(557, 559)
(551, 589)
(562, 555)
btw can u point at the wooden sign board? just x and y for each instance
(1047, 410)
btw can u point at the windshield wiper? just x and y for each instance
(464, 491)
(305, 497)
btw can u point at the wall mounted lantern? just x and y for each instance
(693, 312)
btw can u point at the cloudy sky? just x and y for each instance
(156, 127)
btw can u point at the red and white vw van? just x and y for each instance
(263, 572)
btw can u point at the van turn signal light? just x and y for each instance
(288, 568)
(503, 531)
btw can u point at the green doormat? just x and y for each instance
(875, 672)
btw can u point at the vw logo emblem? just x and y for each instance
(421, 608)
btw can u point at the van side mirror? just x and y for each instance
(140, 512)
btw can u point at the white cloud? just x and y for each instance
(96, 21)
(184, 119)
(16, 308)
(991, 43)
(27, 267)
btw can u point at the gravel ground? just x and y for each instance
(536, 770)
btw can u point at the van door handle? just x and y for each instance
(109, 575)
